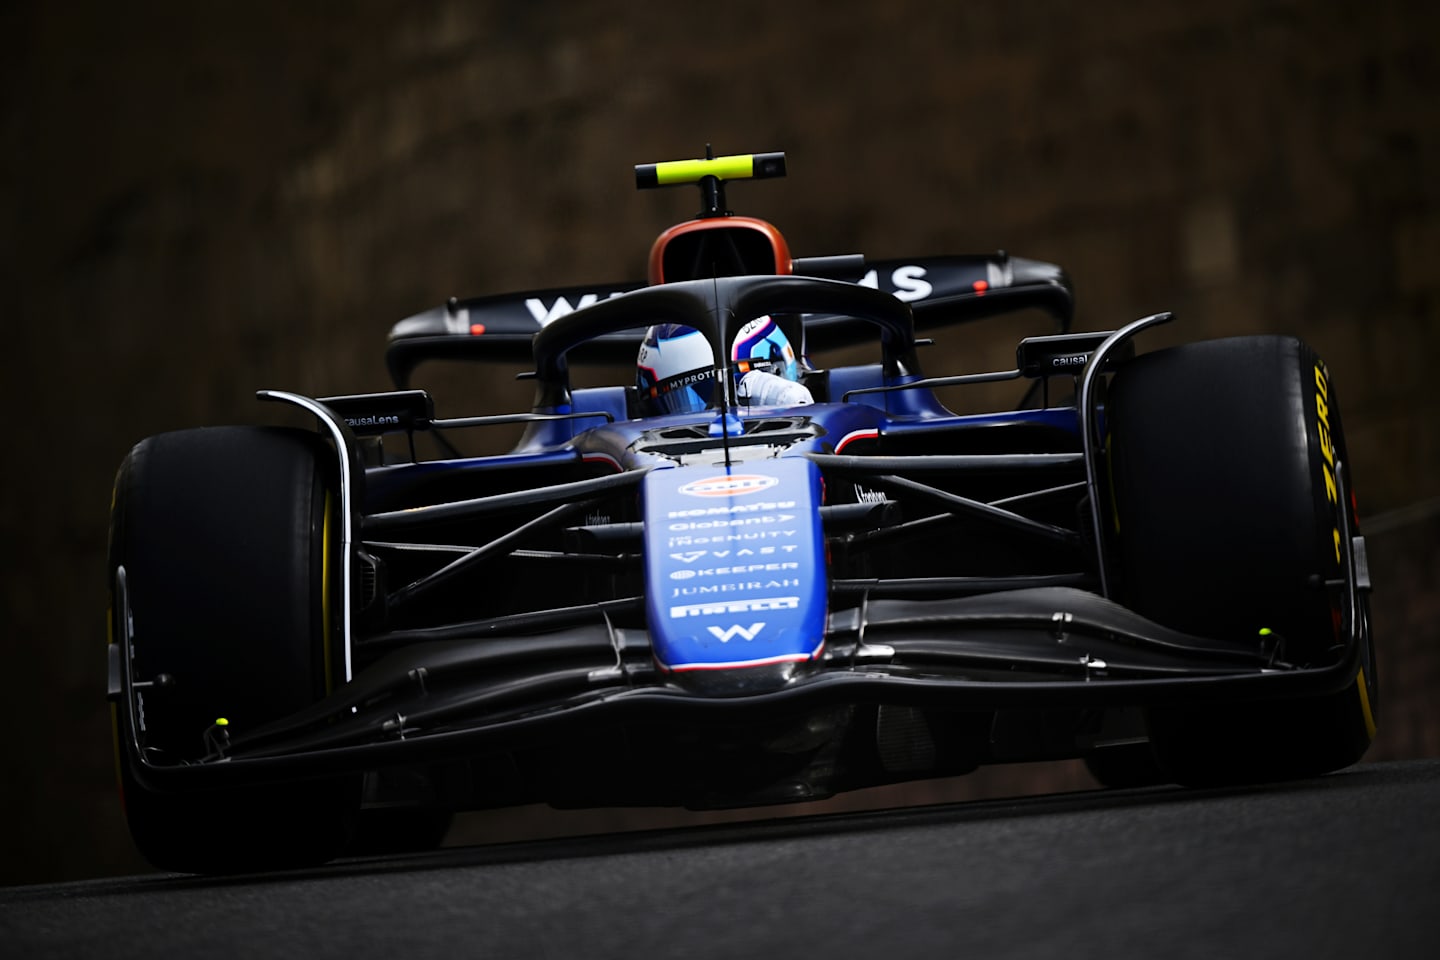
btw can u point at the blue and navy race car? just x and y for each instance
(735, 576)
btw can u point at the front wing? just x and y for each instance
(1041, 647)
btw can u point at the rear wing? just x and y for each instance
(941, 291)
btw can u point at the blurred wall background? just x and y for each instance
(200, 199)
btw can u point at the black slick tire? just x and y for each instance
(222, 533)
(1222, 459)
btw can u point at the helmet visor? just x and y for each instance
(684, 393)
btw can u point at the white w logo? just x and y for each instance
(726, 635)
(561, 307)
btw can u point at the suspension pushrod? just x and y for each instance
(955, 503)
(481, 553)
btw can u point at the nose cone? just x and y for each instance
(735, 573)
(738, 681)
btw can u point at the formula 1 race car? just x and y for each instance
(737, 578)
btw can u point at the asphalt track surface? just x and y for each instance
(1343, 866)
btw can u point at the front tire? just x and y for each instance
(224, 539)
(1224, 458)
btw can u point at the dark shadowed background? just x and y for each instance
(200, 199)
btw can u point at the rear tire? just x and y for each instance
(1222, 462)
(223, 536)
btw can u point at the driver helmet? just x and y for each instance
(675, 371)
(761, 345)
